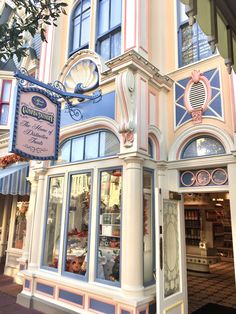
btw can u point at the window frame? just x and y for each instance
(97, 236)
(194, 139)
(64, 247)
(42, 266)
(5, 102)
(72, 18)
(180, 27)
(107, 34)
(152, 172)
(84, 146)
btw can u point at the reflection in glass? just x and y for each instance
(20, 225)
(109, 144)
(203, 146)
(148, 233)
(108, 255)
(77, 149)
(64, 153)
(91, 146)
(78, 224)
(53, 227)
(4, 114)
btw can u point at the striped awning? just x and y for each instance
(13, 180)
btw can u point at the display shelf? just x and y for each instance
(192, 227)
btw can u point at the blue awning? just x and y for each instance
(13, 180)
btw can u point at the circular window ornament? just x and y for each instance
(219, 176)
(187, 178)
(203, 177)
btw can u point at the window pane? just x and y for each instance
(76, 34)
(108, 254)
(77, 151)
(20, 225)
(85, 28)
(64, 153)
(115, 13)
(91, 146)
(4, 114)
(115, 45)
(203, 146)
(6, 91)
(86, 4)
(148, 234)
(105, 49)
(103, 20)
(109, 144)
(77, 10)
(53, 227)
(78, 224)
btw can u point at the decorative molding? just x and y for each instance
(135, 61)
(125, 91)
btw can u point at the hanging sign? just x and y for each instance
(35, 131)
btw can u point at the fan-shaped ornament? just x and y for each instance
(197, 95)
(82, 77)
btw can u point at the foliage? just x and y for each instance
(10, 159)
(28, 17)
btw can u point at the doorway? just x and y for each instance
(209, 250)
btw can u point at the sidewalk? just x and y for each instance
(8, 293)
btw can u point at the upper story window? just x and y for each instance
(108, 43)
(80, 26)
(202, 146)
(5, 101)
(94, 145)
(193, 43)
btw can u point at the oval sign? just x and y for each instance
(39, 102)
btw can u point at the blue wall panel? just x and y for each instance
(71, 297)
(102, 306)
(44, 288)
(27, 284)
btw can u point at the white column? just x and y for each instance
(232, 198)
(132, 228)
(5, 224)
(34, 252)
(29, 218)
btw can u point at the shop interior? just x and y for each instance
(209, 248)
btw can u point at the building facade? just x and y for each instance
(143, 173)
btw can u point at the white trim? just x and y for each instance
(194, 131)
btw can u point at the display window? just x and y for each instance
(77, 235)
(20, 224)
(109, 244)
(148, 227)
(53, 222)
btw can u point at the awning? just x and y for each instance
(217, 20)
(13, 180)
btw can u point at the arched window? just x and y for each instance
(80, 26)
(108, 43)
(202, 146)
(89, 146)
(150, 148)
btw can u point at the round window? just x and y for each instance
(203, 177)
(219, 176)
(188, 178)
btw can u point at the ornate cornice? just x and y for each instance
(136, 62)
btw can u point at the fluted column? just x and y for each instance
(132, 228)
(34, 250)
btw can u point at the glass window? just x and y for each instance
(78, 224)
(148, 223)
(77, 150)
(91, 146)
(53, 222)
(109, 144)
(108, 253)
(202, 146)
(193, 43)
(109, 29)
(20, 225)
(94, 145)
(80, 26)
(5, 102)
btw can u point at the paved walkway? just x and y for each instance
(217, 287)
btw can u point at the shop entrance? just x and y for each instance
(209, 250)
